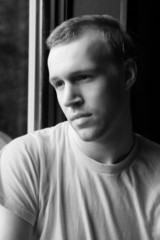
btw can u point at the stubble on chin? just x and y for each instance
(88, 134)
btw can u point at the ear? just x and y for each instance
(130, 73)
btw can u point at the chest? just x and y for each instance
(83, 205)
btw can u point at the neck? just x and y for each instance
(113, 147)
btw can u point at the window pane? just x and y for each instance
(13, 66)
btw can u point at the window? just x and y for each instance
(13, 67)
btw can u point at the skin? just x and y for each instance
(13, 227)
(93, 88)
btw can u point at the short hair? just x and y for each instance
(118, 43)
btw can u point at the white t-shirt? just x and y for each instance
(46, 180)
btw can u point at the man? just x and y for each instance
(90, 177)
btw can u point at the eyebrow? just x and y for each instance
(76, 73)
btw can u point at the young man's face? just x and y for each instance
(89, 86)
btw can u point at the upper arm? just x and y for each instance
(13, 227)
(19, 188)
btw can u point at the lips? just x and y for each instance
(79, 115)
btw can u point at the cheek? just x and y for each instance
(97, 94)
(105, 98)
(60, 101)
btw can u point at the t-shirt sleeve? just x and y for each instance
(19, 179)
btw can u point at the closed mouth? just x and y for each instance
(77, 116)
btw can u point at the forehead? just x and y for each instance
(88, 49)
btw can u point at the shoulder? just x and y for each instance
(36, 138)
(49, 135)
(148, 151)
(148, 146)
(34, 146)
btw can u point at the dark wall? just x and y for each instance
(143, 26)
(111, 7)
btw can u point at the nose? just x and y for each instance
(72, 95)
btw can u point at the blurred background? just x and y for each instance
(13, 66)
(28, 102)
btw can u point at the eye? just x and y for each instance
(82, 77)
(58, 84)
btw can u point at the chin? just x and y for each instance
(86, 138)
(87, 135)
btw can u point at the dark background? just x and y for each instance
(143, 26)
(13, 66)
